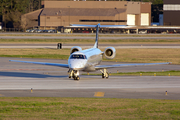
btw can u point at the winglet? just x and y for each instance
(97, 35)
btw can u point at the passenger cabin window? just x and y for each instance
(78, 56)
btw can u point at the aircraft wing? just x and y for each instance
(43, 63)
(133, 64)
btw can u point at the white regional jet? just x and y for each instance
(88, 60)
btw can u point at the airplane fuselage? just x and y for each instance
(85, 60)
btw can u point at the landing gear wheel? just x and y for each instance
(76, 78)
(102, 75)
(107, 76)
(69, 76)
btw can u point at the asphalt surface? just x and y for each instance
(17, 79)
(53, 46)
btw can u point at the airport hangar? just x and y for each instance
(171, 11)
(60, 14)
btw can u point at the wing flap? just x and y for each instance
(133, 64)
(43, 63)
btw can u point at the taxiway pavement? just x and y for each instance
(17, 79)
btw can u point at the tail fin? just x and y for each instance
(97, 36)
(97, 29)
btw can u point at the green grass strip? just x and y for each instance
(88, 108)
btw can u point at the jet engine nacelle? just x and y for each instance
(75, 49)
(110, 52)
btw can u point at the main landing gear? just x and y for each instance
(74, 74)
(105, 74)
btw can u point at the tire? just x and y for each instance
(77, 78)
(107, 76)
(73, 77)
(102, 75)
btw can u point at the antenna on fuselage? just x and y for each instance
(97, 35)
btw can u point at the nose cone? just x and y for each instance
(77, 64)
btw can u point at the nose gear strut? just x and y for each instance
(74, 74)
(105, 73)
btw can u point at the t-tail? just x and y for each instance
(97, 29)
(97, 36)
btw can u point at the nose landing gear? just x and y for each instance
(74, 74)
(105, 74)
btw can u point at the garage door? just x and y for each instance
(130, 19)
(144, 19)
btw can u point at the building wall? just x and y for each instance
(171, 12)
(68, 6)
(171, 1)
(31, 19)
(146, 8)
(133, 8)
(66, 20)
(85, 4)
(62, 13)
(138, 20)
(136, 8)
(172, 18)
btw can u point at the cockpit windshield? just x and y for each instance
(78, 56)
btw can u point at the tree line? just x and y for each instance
(11, 10)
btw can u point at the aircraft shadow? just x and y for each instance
(28, 75)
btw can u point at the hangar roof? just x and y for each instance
(81, 11)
